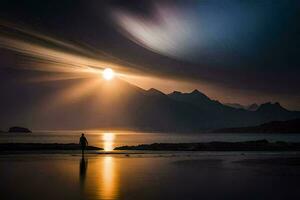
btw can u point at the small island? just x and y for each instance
(18, 129)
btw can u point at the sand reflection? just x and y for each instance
(100, 179)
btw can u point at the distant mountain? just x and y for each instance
(155, 92)
(196, 98)
(120, 105)
(224, 115)
(275, 111)
(289, 126)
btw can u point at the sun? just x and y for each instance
(108, 74)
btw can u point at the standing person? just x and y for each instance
(83, 143)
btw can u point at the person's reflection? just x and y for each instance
(82, 173)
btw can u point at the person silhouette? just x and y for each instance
(83, 143)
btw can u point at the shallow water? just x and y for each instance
(154, 176)
(111, 139)
(148, 175)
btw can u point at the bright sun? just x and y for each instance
(108, 74)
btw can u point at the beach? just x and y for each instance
(52, 167)
(184, 175)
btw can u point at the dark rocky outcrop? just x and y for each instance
(259, 145)
(42, 147)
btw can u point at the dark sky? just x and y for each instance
(234, 51)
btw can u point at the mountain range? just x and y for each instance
(120, 105)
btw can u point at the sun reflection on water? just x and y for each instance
(108, 141)
(109, 188)
(100, 179)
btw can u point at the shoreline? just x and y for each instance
(52, 148)
(43, 147)
(257, 145)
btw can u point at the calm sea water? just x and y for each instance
(159, 176)
(111, 139)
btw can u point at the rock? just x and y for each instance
(257, 145)
(17, 129)
(43, 147)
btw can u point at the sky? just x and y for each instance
(234, 51)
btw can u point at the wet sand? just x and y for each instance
(182, 175)
(281, 161)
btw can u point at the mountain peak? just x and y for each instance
(175, 93)
(153, 91)
(271, 106)
(194, 94)
(195, 91)
(277, 104)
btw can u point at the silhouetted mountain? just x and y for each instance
(269, 107)
(221, 115)
(80, 104)
(275, 112)
(155, 92)
(196, 98)
(289, 126)
(224, 115)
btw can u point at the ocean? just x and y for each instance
(152, 175)
(111, 139)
